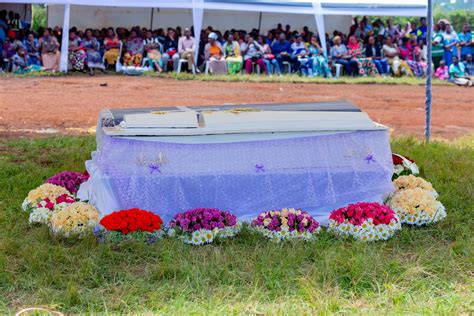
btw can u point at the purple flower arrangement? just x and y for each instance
(69, 180)
(202, 225)
(286, 224)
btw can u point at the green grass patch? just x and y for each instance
(426, 270)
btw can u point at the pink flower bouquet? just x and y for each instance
(203, 225)
(286, 224)
(69, 179)
(364, 221)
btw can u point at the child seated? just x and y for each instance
(442, 72)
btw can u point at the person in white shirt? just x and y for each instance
(187, 48)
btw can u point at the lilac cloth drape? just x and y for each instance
(314, 173)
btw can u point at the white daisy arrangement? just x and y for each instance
(417, 206)
(364, 221)
(286, 224)
(203, 226)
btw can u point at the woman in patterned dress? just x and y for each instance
(77, 55)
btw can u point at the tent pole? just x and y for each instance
(151, 18)
(260, 22)
(428, 86)
(65, 38)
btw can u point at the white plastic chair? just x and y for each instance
(338, 68)
(287, 64)
(185, 61)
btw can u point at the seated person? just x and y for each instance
(21, 62)
(170, 48)
(469, 64)
(457, 74)
(268, 57)
(301, 54)
(187, 48)
(32, 49)
(153, 47)
(340, 55)
(253, 53)
(319, 60)
(134, 47)
(442, 72)
(112, 47)
(49, 47)
(232, 55)
(77, 55)
(282, 51)
(92, 48)
(365, 66)
(392, 52)
(214, 54)
(373, 51)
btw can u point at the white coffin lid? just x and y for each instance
(165, 119)
(224, 122)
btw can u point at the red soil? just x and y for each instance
(70, 105)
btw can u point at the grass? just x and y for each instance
(249, 78)
(427, 270)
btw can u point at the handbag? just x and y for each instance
(269, 56)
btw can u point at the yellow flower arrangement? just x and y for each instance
(44, 191)
(75, 219)
(417, 206)
(412, 182)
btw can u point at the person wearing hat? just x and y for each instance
(214, 53)
(187, 48)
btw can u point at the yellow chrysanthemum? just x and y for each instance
(44, 191)
(412, 182)
(75, 219)
(413, 201)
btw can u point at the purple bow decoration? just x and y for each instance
(259, 168)
(154, 168)
(369, 159)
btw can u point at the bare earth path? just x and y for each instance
(71, 104)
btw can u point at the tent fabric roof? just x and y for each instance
(328, 7)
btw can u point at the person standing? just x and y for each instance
(465, 42)
(437, 41)
(450, 41)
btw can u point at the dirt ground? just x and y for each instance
(70, 105)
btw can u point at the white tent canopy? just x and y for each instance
(318, 8)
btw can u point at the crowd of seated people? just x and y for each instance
(367, 50)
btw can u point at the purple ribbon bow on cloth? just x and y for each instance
(259, 168)
(369, 159)
(154, 167)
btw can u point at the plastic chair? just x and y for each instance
(338, 68)
(185, 61)
(287, 64)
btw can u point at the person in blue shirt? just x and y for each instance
(450, 41)
(465, 41)
(281, 49)
(421, 30)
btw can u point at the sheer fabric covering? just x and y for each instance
(314, 173)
